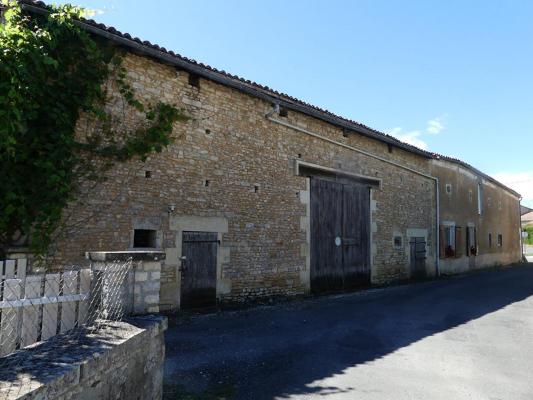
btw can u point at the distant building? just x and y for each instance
(527, 218)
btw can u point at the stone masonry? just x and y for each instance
(141, 284)
(231, 171)
(122, 360)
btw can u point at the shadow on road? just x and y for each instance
(278, 352)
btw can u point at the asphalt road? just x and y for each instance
(468, 337)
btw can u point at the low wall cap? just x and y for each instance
(134, 255)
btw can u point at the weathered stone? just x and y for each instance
(121, 360)
(254, 200)
(141, 276)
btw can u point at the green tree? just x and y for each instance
(529, 239)
(51, 73)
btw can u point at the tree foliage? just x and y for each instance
(529, 230)
(52, 72)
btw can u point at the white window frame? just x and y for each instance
(471, 239)
(450, 239)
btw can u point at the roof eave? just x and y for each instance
(252, 90)
(264, 94)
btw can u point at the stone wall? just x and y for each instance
(232, 171)
(123, 360)
(140, 287)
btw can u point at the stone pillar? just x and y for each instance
(139, 287)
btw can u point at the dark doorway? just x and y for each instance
(199, 269)
(340, 237)
(418, 257)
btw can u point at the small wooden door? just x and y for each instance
(418, 257)
(339, 235)
(199, 269)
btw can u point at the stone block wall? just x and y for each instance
(232, 167)
(147, 287)
(122, 360)
(140, 284)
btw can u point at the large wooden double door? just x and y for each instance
(340, 235)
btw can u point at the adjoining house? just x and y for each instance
(527, 216)
(265, 195)
(479, 219)
(525, 210)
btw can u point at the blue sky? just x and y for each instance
(454, 77)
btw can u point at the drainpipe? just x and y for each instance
(275, 111)
(437, 230)
(520, 229)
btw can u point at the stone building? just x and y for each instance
(479, 219)
(527, 216)
(263, 195)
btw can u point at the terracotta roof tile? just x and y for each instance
(527, 217)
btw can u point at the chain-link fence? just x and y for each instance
(70, 304)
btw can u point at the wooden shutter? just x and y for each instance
(458, 242)
(467, 242)
(475, 241)
(442, 241)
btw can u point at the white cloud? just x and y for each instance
(415, 137)
(91, 12)
(522, 182)
(435, 126)
(411, 137)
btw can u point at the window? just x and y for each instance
(490, 239)
(470, 196)
(398, 242)
(144, 238)
(449, 188)
(471, 241)
(283, 112)
(194, 80)
(479, 199)
(450, 241)
(500, 240)
(450, 238)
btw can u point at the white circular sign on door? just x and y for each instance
(337, 241)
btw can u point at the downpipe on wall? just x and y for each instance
(522, 239)
(275, 111)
